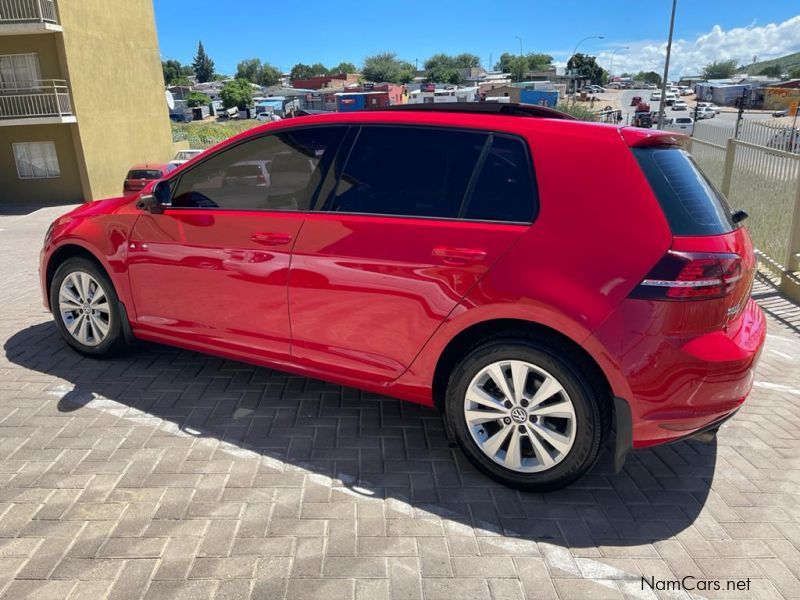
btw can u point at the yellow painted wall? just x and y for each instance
(64, 189)
(114, 68)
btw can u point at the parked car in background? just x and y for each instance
(182, 157)
(247, 173)
(704, 112)
(680, 105)
(268, 117)
(780, 113)
(403, 251)
(681, 124)
(686, 91)
(710, 105)
(670, 98)
(142, 175)
(655, 97)
(650, 86)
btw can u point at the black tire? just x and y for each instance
(114, 342)
(592, 411)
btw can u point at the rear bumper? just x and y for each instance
(676, 386)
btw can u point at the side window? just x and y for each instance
(275, 172)
(505, 188)
(408, 171)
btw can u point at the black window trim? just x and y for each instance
(175, 181)
(490, 135)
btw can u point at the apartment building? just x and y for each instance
(81, 98)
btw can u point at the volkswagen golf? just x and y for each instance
(445, 255)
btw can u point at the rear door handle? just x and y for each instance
(271, 239)
(459, 256)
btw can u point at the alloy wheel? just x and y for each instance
(520, 416)
(84, 308)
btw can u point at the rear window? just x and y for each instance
(691, 204)
(144, 174)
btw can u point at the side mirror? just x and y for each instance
(157, 198)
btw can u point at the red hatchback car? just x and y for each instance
(448, 256)
(140, 176)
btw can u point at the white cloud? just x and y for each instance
(689, 57)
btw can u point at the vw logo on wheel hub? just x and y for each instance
(518, 415)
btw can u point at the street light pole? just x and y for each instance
(666, 68)
(613, 52)
(575, 51)
(520, 44)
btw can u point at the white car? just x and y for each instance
(685, 91)
(680, 105)
(266, 117)
(650, 86)
(680, 124)
(670, 98)
(710, 105)
(705, 112)
(655, 97)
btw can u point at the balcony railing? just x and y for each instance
(28, 11)
(43, 98)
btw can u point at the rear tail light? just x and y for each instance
(261, 178)
(691, 276)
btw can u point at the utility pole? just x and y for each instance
(666, 68)
(741, 113)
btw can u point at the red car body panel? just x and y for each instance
(373, 301)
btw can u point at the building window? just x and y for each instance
(19, 71)
(36, 160)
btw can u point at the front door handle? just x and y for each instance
(271, 239)
(459, 256)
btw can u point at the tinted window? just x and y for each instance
(274, 172)
(504, 190)
(144, 174)
(690, 202)
(408, 171)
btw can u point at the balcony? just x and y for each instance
(20, 17)
(43, 102)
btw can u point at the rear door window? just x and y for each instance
(691, 204)
(437, 173)
(408, 171)
(505, 188)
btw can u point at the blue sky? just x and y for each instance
(331, 32)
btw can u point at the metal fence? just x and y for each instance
(25, 11)
(43, 98)
(767, 132)
(764, 182)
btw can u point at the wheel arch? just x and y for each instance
(64, 253)
(505, 328)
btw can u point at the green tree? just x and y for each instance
(518, 65)
(175, 73)
(195, 99)
(385, 66)
(587, 66)
(466, 60)
(771, 71)
(237, 93)
(794, 73)
(257, 72)
(344, 67)
(648, 77)
(202, 66)
(318, 69)
(720, 69)
(301, 71)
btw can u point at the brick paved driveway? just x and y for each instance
(172, 474)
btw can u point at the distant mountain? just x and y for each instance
(784, 62)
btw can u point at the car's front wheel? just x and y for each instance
(525, 414)
(86, 310)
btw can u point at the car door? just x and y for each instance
(213, 267)
(413, 218)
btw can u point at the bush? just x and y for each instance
(195, 99)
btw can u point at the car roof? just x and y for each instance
(481, 121)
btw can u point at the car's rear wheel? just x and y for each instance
(525, 414)
(86, 310)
